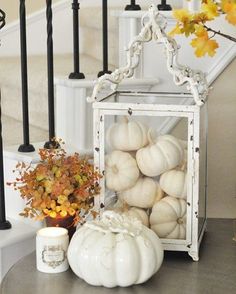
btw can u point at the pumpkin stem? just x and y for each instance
(184, 163)
(180, 221)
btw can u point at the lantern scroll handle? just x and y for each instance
(153, 28)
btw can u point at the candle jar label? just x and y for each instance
(53, 256)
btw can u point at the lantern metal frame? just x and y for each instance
(153, 28)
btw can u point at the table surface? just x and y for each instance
(215, 273)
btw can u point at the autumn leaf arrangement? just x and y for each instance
(197, 25)
(58, 186)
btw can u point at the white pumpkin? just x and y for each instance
(121, 171)
(168, 218)
(127, 135)
(143, 194)
(115, 251)
(174, 183)
(184, 164)
(138, 213)
(122, 207)
(164, 154)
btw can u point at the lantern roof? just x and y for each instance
(153, 28)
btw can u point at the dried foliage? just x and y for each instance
(196, 24)
(58, 186)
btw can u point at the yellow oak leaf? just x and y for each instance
(185, 25)
(229, 7)
(182, 15)
(200, 18)
(202, 44)
(188, 29)
(210, 8)
(176, 30)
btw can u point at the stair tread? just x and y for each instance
(11, 92)
(92, 17)
(19, 232)
(37, 71)
(12, 132)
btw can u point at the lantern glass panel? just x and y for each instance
(136, 107)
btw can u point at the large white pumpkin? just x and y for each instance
(127, 135)
(168, 218)
(121, 171)
(164, 154)
(174, 183)
(143, 194)
(115, 251)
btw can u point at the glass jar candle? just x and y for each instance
(51, 250)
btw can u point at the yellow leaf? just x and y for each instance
(63, 213)
(210, 8)
(53, 214)
(182, 15)
(229, 7)
(185, 24)
(200, 31)
(61, 199)
(71, 211)
(188, 28)
(200, 17)
(176, 31)
(202, 44)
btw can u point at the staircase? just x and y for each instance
(11, 92)
(90, 64)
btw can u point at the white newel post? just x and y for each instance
(192, 5)
(129, 26)
(73, 113)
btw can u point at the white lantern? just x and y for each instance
(165, 113)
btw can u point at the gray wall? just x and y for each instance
(222, 145)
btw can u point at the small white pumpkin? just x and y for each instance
(168, 218)
(174, 183)
(159, 156)
(115, 251)
(138, 213)
(127, 135)
(121, 171)
(122, 207)
(143, 194)
(184, 164)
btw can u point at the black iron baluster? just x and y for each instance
(4, 224)
(51, 143)
(105, 39)
(164, 6)
(2, 19)
(133, 6)
(76, 74)
(26, 146)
